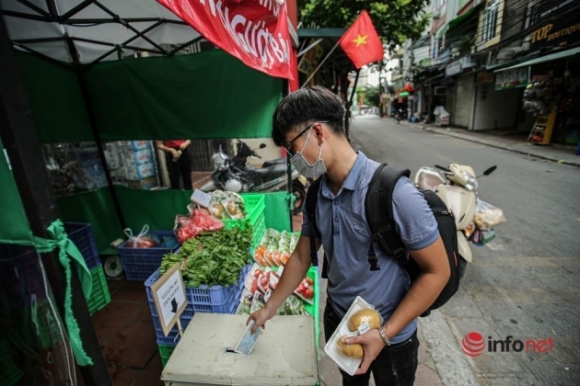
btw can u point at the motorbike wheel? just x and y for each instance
(461, 267)
(300, 194)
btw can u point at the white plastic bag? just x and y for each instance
(142, 240)
(488, 216)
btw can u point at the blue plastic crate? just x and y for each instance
(21, 275)
(140, 263)
(173, 337)
(82, 236)
(217, 299)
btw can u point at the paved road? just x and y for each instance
(525, 282)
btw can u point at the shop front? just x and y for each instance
(552, 96)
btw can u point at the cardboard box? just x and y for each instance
(134, 145)
(140, 172)
(137, 158)
(144, 184)
(112, 156)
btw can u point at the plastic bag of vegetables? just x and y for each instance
(142, 240)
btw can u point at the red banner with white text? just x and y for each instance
(254, 31)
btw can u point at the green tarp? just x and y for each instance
(205, 95)
(14, 226)
(154, 208)
(55, 100)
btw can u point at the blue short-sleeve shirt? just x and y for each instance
(342, 223)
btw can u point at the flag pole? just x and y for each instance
(321, 63)
(349, 103)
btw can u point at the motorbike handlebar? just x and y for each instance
(443, 168)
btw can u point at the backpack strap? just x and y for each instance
(311, 199)
(379, 211)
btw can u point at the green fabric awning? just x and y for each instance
(321, 32)
(196, 96)
(555, 56)
(459, 20)
(442, 31)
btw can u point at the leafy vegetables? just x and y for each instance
(214, 259)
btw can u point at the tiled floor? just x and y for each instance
(127, 337)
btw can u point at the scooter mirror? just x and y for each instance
(490, 170)
(262, 145)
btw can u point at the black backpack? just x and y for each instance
(383, 228)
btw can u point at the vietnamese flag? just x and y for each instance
(361, 43)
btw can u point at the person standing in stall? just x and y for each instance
(178, 160)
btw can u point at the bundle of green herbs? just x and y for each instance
(212, 259)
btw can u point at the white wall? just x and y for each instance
(495, 109)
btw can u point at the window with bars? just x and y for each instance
(490, 21)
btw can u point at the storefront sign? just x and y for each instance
(559, 32)
(453, 68)
(512, 78)
(484, 78)
(256, 32)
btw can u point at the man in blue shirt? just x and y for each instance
(309, 123)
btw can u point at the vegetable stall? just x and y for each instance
(97, 73)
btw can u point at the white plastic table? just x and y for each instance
(285, 353)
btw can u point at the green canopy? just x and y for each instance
(205, 95)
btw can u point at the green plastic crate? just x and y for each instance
(100, 295)
(259, 229)
(165, 353)
(255, 206)
(314, 309)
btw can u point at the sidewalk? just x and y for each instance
(515, 142)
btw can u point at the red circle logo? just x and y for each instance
(473, 344)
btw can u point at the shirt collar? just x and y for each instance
(354, 177)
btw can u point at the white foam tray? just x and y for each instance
(346, 363)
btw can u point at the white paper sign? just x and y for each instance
(170, 298)
(201, 198)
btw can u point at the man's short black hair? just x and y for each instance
(304, 106)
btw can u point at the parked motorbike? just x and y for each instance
(236, 175)
(458, 189)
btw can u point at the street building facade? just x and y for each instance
(497, 65)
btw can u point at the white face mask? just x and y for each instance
(303, 167)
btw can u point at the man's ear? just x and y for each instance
(320, 133)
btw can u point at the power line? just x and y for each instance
(505, 22)
(526, 31)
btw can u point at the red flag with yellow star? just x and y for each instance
(361, 42)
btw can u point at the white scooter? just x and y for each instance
(459, 192)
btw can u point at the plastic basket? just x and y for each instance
(173, 337)
(217, 299)
(82, 236)
(100, 295)
(165, 352)
(20, 275)
(140, 263)
(314, 309)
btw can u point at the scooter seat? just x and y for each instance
(274, 162)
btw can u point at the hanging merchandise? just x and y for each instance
(541, 98)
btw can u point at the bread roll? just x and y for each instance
(351, 350)
(371, 317)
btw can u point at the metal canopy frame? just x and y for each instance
(51, 15)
